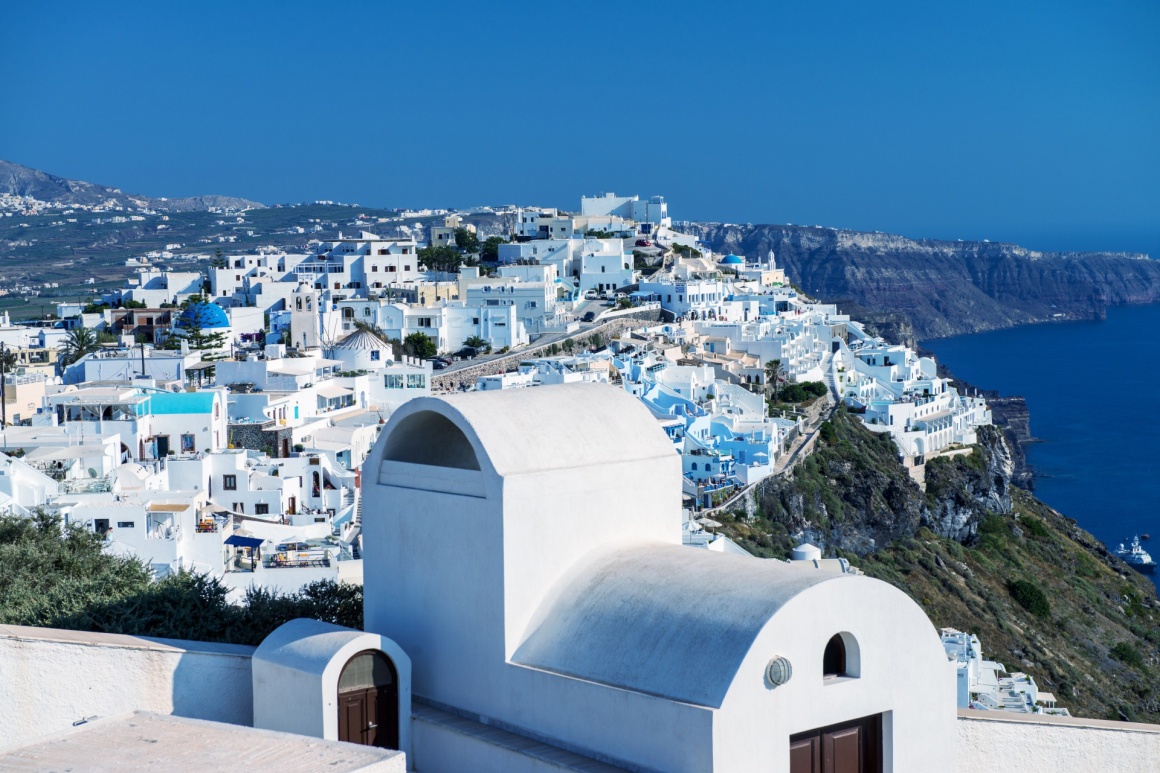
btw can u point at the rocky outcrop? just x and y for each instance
(962, 489)
(945, 288)
(853, 495)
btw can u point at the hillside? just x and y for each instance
(965, 550)
(945, 288)
(19, 180)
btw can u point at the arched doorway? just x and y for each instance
(368, 701)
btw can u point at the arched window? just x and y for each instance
(433, 439)
(834, 659)
(842, 657)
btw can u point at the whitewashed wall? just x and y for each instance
(51, 678)
(989, 740)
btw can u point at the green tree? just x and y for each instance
(79, 342)
(489, 250)
(773, 375)
(420, 345)
(187, 329)
(477, 342)
(441, 258)
(58, 576)
(466, 240)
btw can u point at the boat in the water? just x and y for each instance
(1136, 557)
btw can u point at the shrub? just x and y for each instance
(815, 388)
(1128, 655)
(1030, 596)
(827, 432)
(1033, 526)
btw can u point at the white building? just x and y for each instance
(520, 620)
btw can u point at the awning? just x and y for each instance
(332, 390)
(244, 542)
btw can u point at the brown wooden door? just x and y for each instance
(352, 717)
(368, 701)
(805, 756)
(849, 747)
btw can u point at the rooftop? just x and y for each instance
(144, 741)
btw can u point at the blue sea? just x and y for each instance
(1091, 388)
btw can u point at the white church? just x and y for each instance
(531, 608)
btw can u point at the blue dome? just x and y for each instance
(203, 315)
(733, 260)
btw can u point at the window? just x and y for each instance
(367, 309)
(393, 382)
(842, 657)
(261, 509)
(375, 354)
(188, 443)
(834, 658)
(239, 507)
(125, 524)
(374, 269)
(230, 482)
(406, 268)
(416, 381)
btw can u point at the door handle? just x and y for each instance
(371, 726)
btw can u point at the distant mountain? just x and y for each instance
(19, 180)
(944, 288)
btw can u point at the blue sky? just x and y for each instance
(1036, 122)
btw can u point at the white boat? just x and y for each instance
(1136, 557)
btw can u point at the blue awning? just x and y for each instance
(244, 542)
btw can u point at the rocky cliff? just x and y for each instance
(944, 288)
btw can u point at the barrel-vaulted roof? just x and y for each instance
(529, 430)
(666, 620)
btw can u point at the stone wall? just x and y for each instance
(465, 377)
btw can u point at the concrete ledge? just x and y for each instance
(63, 636)
(1048, 719)
(444, 742)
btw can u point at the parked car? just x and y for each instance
(643, 243)
(467, 353)
(588, 316)
(590, 295)
(438, 364)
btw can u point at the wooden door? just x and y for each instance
(368, 701)
(352, 713)
(849, 747)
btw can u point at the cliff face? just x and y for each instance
(853, 495)
(945, 288)
(961, 549)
